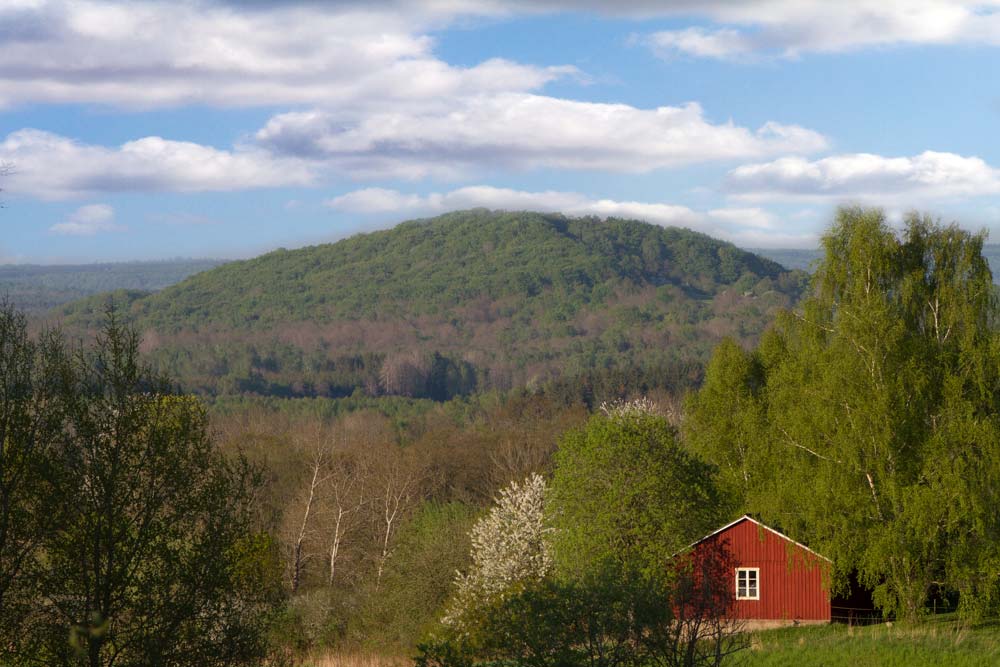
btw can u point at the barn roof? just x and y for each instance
(747, 517)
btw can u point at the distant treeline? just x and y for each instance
(36, 288)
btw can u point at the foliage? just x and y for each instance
(607, 593)
(431, 547)
(461, 453)
(32, 373)
(724, 419)
(464, 303)
(624, 491)
(868, 422)
(613, 617)
(155, 558)
(510, 547)
(423, 266)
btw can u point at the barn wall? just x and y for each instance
(791, 578)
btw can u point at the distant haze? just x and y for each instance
(797, 258)
(36, 288)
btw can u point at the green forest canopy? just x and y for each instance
(460, 303)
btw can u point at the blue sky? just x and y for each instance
(145, 130)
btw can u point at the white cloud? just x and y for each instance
(788, 28)
(784, 28)
(866, 177)
(301, 148)
(700, 42)
(525, 131)
(87, 221)
(151, 54)
(51, 166)
(376, 55)
(749, 227)
(378, 200)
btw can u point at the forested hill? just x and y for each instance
(458, 303)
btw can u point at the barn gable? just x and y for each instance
(775, 579)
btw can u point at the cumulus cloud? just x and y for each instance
(749, 227)
(525, 131)
(150, 54)
(864, 176)
(513, 131)
(51, 166)
(88, 221)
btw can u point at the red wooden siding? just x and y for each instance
(791, 577)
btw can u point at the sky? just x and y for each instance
(226, 128)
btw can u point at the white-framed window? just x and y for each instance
(748, 583)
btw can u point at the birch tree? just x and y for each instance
(346, 500)
(875, 412)
(302, 517)
(724, 419)
(395, 479)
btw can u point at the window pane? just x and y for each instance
(747, 584)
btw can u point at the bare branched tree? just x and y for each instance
(345, 499)
(317, 461)
(396, 481)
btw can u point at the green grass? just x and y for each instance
(937, 642)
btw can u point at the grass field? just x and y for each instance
(937, 642)
(356, 660)
(943, 641)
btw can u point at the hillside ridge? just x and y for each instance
(505, 298)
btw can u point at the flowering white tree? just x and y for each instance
(637, 407)
(509, 546)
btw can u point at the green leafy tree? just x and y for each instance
(723, 421)
(624, 491)
(873, 412)
(159, 562)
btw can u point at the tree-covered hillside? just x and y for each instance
(459, 303)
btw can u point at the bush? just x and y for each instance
(614, 618)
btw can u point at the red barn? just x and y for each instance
(776, 580)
